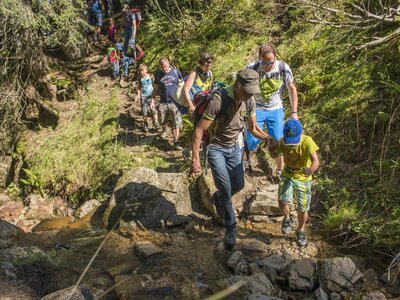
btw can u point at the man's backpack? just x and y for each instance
(201, 100)
(281, 68)
(137, 15)
(95, 6)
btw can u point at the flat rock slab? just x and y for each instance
(146, 249)
(252, 247)
(8, 230)
(52, 224)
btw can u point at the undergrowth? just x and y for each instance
(79, 160)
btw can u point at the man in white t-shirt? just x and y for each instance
(274, 76)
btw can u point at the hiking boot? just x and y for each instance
(230, 238)
(164, 133)
(287, 225)
(156, 126)
(301, 239)
(145, 128)
(177, 145)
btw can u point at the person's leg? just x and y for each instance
(303, 192)
(115, 66)
(127, 36)
(274, 122)
(217, 160)
(176, 120)
(285, 198)
(163, 109)
(234, 165)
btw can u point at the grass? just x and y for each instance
(77, 160)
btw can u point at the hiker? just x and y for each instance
(96, 18)
(145, 90)
(227, 108)
(165, 83)
(129, 24)
(300, 156)
(199, 80)
(274, 76)
(127, 61)
(114, 57)
(112, 30)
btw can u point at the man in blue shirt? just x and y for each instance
(165, 83)
(96, 19)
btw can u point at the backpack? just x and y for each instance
(201, 100)
(179, 95)
(281, 68)
(137, 15)
(95, 7)
(109, 50)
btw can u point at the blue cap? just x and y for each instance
(118, 46)
(292, 131)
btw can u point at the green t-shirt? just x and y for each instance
(297, 157)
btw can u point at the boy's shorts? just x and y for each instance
(176, 115)
(145, 101)
(301, 190)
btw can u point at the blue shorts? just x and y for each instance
(273, 119)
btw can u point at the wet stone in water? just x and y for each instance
(146, 249)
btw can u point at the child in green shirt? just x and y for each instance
(301, 161)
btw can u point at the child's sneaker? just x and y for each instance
(156, 125)
(287, 225)
(301, 239)
(164, 133)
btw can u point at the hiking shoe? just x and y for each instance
(230, 238)
(164, 133)
(287, 225)
(145, 128)
(156, 126)
(301, 239)
(177, 145)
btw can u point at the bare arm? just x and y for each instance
(198, 134)
(293, 100)
(314, 164)
(134, 27)
(186, 88)
(255, 130)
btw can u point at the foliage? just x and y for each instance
(350, 105)
(228, 31)
(25, 26)
(78, 159)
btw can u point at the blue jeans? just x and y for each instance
(115, 66)
(227, 169)
(127, 61)
(128, 31)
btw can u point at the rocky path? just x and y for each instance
(166, 245)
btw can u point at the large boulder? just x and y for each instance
(207, 189)
(151, 199)
(38, 208)
(8, 230)
(87, 208)
(264, 203)
(276, 261)
(338, 274)
(301, 274)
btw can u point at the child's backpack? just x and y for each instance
(109, 51)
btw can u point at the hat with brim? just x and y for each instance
(249, 79)
(292, 131)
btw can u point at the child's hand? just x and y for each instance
(307, 171)
(152, 105)
(272, 144)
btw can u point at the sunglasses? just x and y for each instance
(208, 62)
(267, 63)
